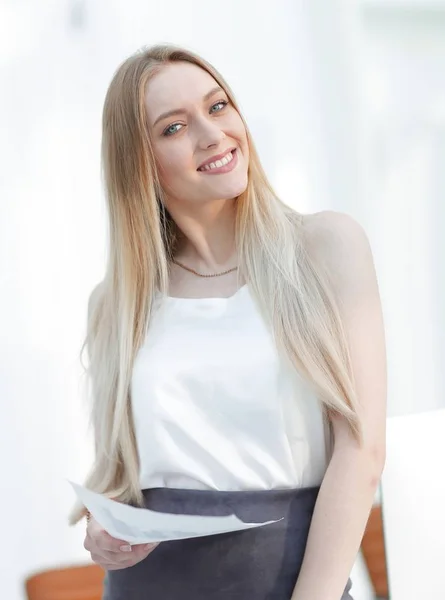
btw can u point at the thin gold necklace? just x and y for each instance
(200, 274)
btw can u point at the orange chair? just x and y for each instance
(84, 582)
(373, 550)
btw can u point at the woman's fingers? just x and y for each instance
(138, 552)
(102, 539)
(122, 560)
(111, 553)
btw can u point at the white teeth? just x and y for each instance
(219, 163)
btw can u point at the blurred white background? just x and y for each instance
(346, 101)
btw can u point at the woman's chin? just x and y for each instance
(231, 189)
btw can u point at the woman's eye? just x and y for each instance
(170, 129)
(221, 103)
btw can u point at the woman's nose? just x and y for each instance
(209, 134)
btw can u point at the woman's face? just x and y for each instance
(193, 124)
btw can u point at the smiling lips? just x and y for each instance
(220, 162)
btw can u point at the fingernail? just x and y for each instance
(125, 548)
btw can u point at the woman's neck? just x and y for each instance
(207, 240)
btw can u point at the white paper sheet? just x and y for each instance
(141, 525)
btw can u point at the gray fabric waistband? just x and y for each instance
(261, 563)
(253, 506)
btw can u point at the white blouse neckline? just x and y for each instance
(208, 299)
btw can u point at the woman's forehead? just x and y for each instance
(177, 84)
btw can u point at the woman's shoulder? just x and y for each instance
(330, 226)
(332, 231)
(94, 297)
(338, 242)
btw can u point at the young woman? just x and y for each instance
(236, 353)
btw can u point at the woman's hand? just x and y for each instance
(110, 553)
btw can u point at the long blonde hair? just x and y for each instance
(293, 292)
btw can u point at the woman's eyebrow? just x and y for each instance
(179, 111)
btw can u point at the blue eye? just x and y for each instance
(223, 102)
(169, 130)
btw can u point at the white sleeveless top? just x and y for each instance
(214, 405)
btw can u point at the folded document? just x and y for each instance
(141, 525)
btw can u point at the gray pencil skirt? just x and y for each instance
(254, 564)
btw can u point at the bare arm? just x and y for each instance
(349, 486)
